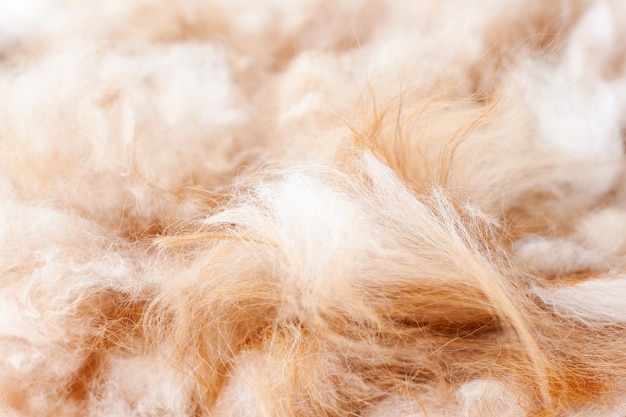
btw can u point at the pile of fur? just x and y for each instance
(365, 208)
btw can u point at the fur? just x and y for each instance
(312, 208)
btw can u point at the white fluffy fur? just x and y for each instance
(312, 207)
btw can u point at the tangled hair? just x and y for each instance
(312, 208)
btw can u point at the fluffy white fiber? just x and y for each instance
(366, 208)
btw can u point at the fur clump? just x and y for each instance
(306, 208)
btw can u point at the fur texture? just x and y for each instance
(312, 208)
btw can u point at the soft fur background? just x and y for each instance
(312, 208)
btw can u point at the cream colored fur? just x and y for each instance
(366, 208)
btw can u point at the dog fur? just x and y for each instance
(366, 208)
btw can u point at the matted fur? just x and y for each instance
(366, 208)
